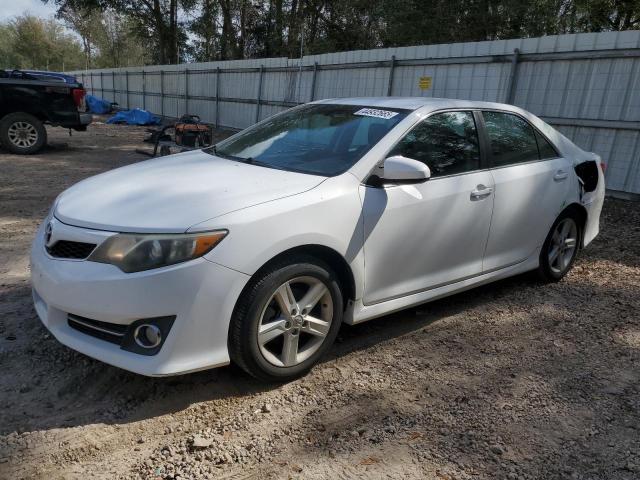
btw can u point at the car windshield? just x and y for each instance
(319, 139)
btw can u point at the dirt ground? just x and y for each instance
(515, 380)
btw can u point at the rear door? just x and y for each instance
(426, 235)
(531, 187)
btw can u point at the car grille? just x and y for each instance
(69, 249)
(110, 332)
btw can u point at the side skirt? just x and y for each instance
(357, 312)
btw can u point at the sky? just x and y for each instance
(13, 8)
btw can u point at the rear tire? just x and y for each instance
(560, 248)
(286, 319)
(22, 133)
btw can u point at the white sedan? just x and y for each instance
(256, 250)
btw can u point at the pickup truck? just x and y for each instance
(29, 100)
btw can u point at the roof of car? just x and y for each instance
(566, 146)
(53, 75)
(38, 75)
(413, 103)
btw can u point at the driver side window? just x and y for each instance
(446, 142)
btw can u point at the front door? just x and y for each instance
(430, 234)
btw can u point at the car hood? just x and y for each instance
(171, 194)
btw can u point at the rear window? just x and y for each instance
(512, 139)
(545, 148)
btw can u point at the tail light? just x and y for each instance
(603, 166)
(78, 98)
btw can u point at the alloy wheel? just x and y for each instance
(563, 245)
(22, 134)
(295, 321)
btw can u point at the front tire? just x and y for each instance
(22, 133)
(560, 248)
(286, 319)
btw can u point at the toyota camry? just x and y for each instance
(256, 250)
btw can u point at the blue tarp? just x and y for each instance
(97, 105)
(135, 117)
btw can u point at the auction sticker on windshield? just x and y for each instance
(373, 112)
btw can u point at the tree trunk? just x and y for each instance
(293, 40)
(158, 22)
(86, 44)
(227, 40)
(243, 29)
(173, 31)
(313, 30)
(279, 28)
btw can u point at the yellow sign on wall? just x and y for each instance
(425, 83)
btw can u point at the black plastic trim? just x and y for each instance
(163, 323)
(120, 334)
(483, 140)
(69, 249)
(109, 332)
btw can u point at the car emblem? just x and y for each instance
(47, 234)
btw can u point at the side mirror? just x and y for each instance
(405, 170)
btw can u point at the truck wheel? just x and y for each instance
(22, 133)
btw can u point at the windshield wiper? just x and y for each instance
(250, 161)
(253, 161)
(211, 150)
(247, 160)
(214, 149)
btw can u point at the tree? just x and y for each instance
(86, 23)
(9, 58)
(32, 43)
(179, 30)
(155, 21)
(606, 15)
(116, 45)
(204, 27)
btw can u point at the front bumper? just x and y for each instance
(199, 293)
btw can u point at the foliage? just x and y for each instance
(117, 33)
(246, 29)
(30, 42)
(154, 22)
(117, 43)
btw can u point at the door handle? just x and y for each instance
(560, 175)
(481, 192)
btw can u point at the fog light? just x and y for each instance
(147, 335)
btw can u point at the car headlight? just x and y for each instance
(52, 209)
(137, 252)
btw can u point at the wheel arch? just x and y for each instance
(37, 113)
(41, 115)
(581, 215)
(326, 254)
(242, 337)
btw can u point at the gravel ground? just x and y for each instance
(515, 380)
